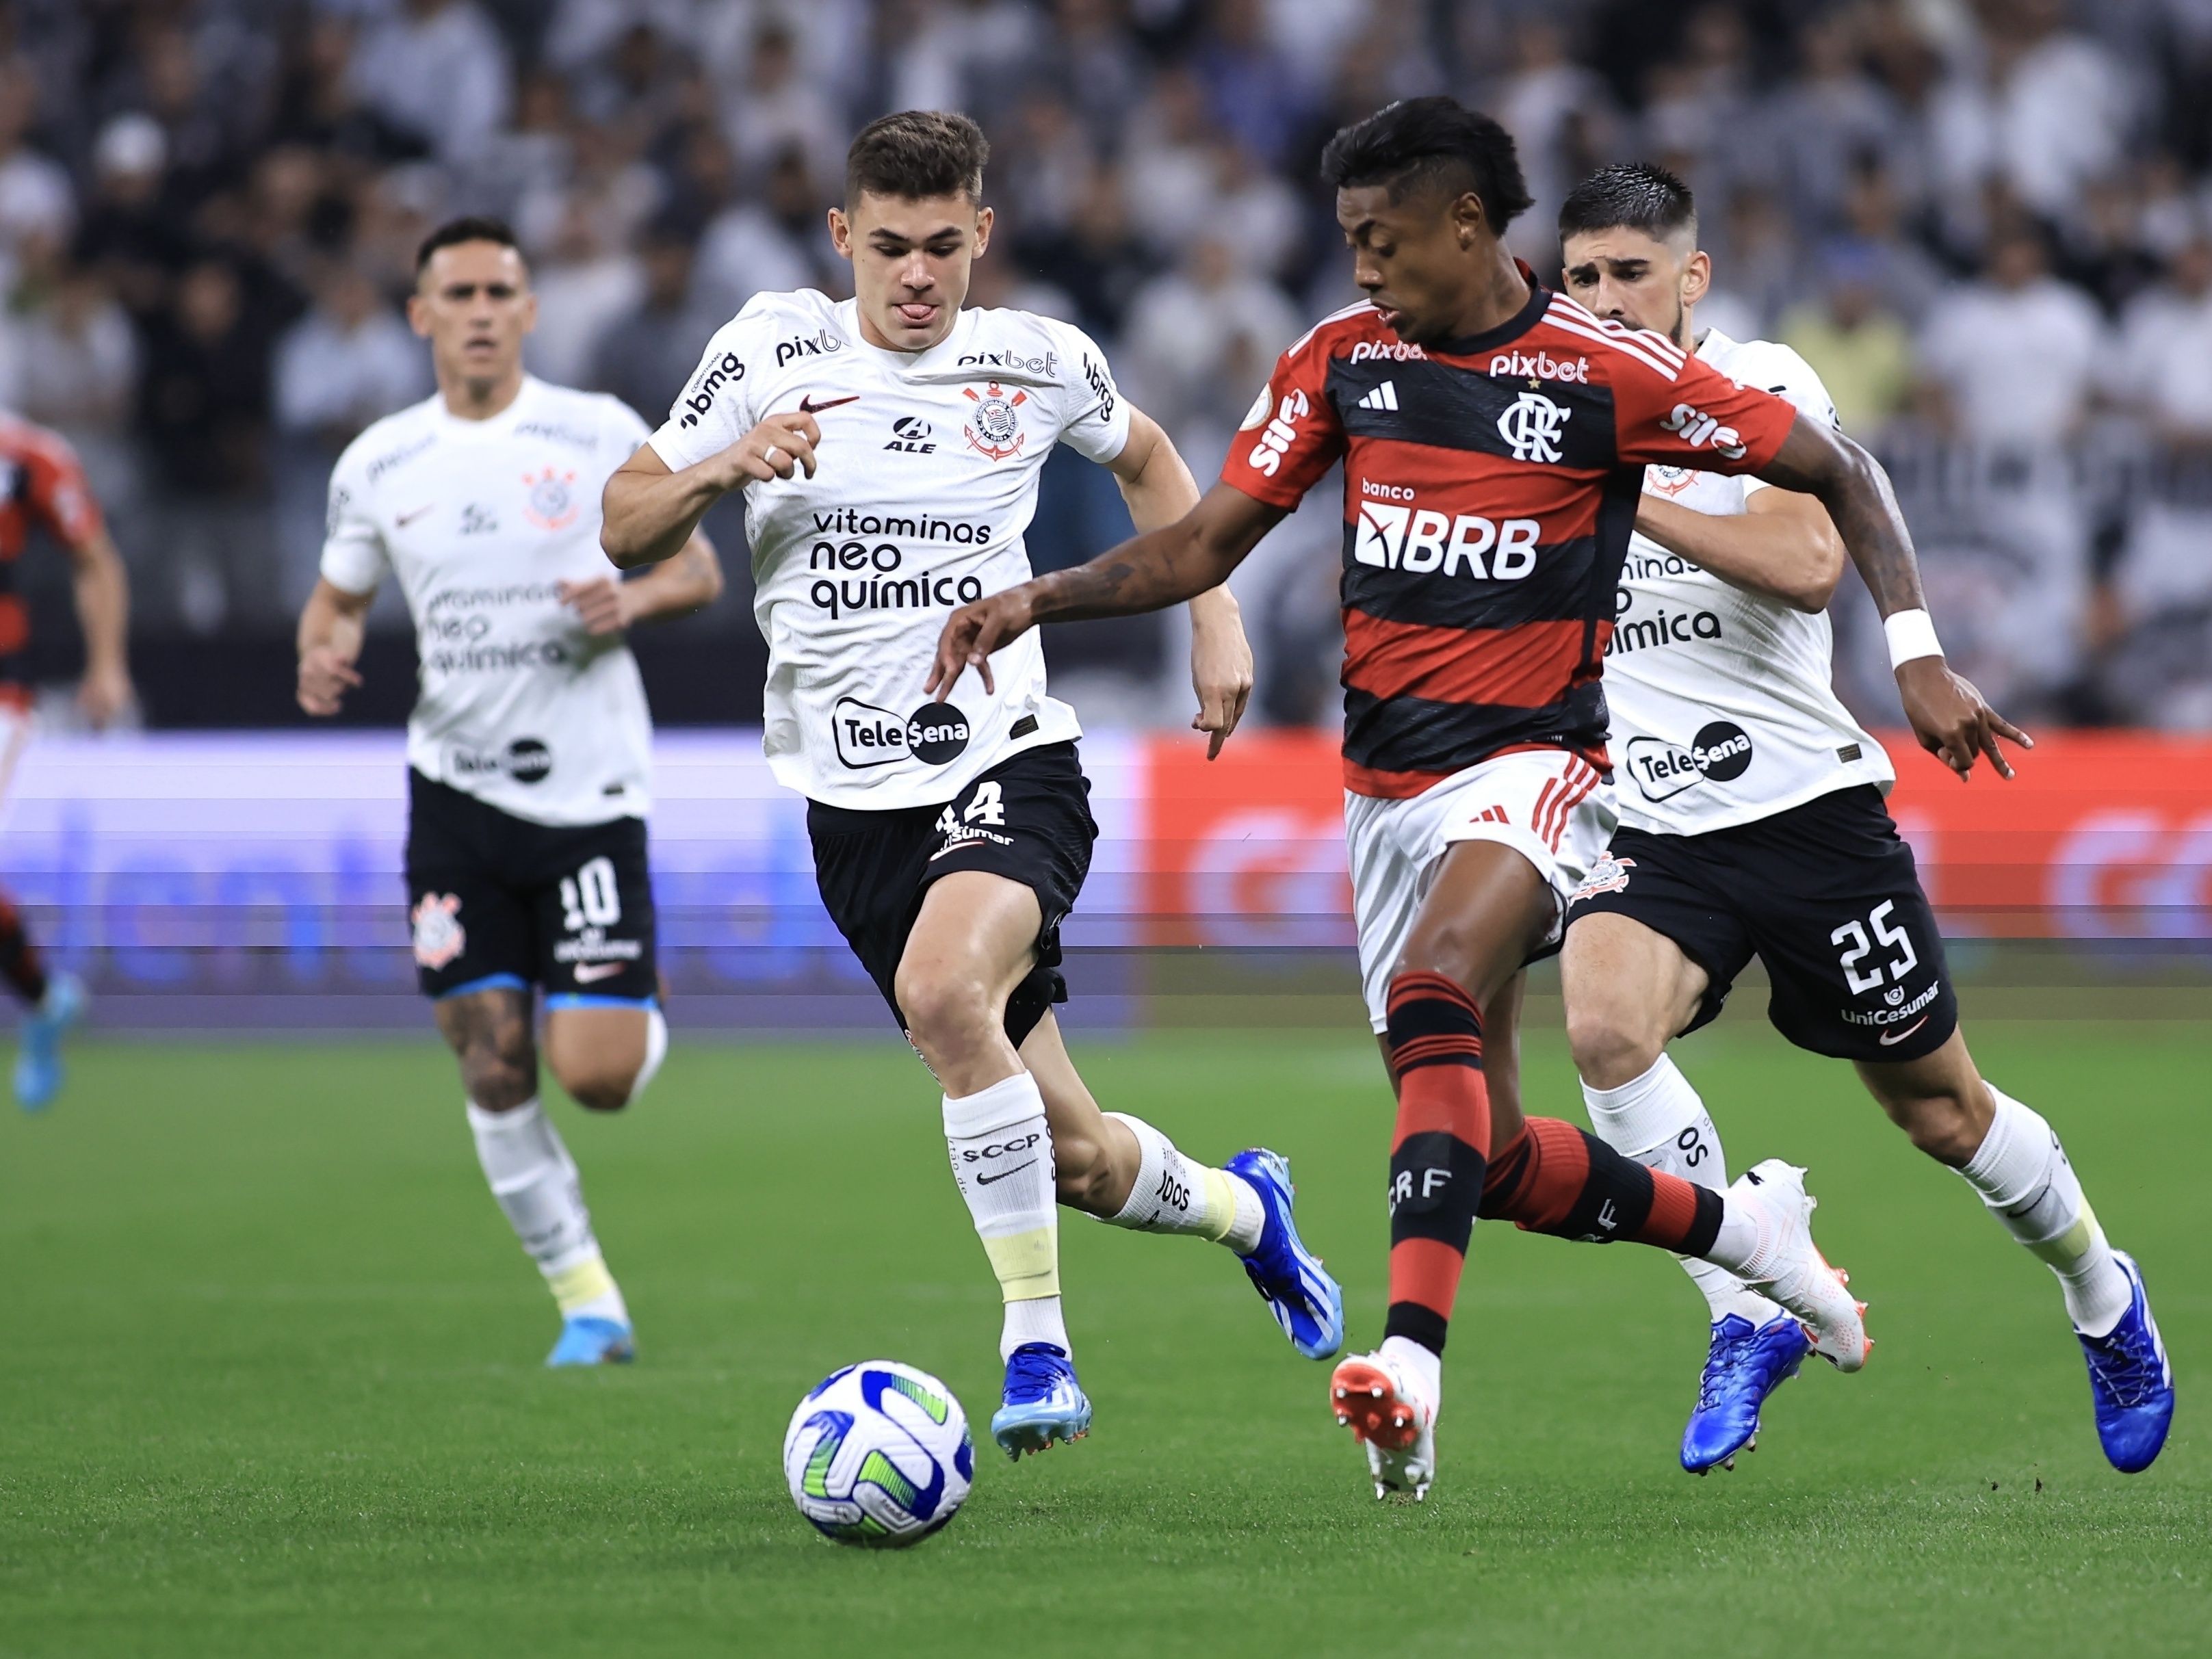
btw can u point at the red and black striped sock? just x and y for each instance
(21, 965)
(1558, 1179)
(1436, 1159)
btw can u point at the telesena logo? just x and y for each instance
(1420, 541)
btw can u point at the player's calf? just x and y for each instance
(606, 1057)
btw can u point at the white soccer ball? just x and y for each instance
(879, 1454)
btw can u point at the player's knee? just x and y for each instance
(1609, 1047)
(601, 1089)
(1941, 1125)
(944, 1007)
(499, 1077)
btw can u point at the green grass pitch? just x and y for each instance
(270, 1381)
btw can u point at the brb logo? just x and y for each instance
(1419, 540)
(1720, 751)
(1531, 425)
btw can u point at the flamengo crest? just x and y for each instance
(996, 430)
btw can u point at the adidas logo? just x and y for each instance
(1383, 396)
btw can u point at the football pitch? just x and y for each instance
(271, 1383)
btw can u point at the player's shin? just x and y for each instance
(1558, 1179)
(1001, 1151)
(1659, 1120)
(1172, 1193)
(536, 1184)
(1437, 1154)
(2023, 1176)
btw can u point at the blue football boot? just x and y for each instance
(585, 1340)
(1043, 1402)
(1743, 1366)
(2131, 1381)
(38, 1070)
(1306, 1302)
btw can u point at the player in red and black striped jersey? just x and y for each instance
(1493, 436)
(43, 487)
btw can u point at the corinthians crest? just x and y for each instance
(553, 504)
(994, 429)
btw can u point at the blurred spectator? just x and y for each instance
(76, 359)
(1755, 264)
(764, 247)
(1047, 167)
(1562, 116)
(1100, 263)
(1825, 119)
(2162, 372)
(1862, 351)
(645, 356)
(438, 70)
(1201, 339)
(1903, 273)
(36, 197)
(350, 362)
(777, 110)
(1252, 91)
(584, 281)
(1168, 175)
(2009, 359)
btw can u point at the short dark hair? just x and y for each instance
(1423, 140)
(470, 228)
(1629, 196)
(916, 153)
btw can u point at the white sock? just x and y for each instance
(536, 1184)
(1001, 1153)
(1658, 1120)
(656, 1050)
(2022, 1174)
(1174, 1194)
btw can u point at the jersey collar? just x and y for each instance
(456, 426)
(1539, 301)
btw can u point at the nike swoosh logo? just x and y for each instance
(984, 1181)
(1888, 1037)
(408, 518)
(808, 406)
(589, 972)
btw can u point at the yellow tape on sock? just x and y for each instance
(2070, 1246)
(1027, 1264)
(586, 1281)
(1220, 1205)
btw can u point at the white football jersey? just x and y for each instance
(926, 478)
(517, 706)
(1722, 709)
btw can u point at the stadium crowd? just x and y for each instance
(1987, 224)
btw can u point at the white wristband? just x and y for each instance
(1911, 635)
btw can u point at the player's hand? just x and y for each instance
(104, 695)
(1221, 674)
(325, 679)
(1951, 719)
(972, 633)
(599, 602)
(777, 449)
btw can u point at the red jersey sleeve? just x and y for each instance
(1701, 420)
(56, 490)
(1292, 436)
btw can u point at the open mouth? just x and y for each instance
(916, 314)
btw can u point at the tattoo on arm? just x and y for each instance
(1857, 492)
(1162, 566)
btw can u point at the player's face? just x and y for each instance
(473, 304)
(1631, 277)
(910, 263)
(1420, 259)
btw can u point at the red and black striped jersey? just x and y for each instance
(43, 484)
(1490, 488)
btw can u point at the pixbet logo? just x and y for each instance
(1531, 426)
(1541, 366)
(821, 343)
(1393, 351)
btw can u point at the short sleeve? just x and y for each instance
(59, 495)
(1096, 422)
(1701, 419)
(1290, 436)
(715, 409)
(353, 557)
(1779, 370)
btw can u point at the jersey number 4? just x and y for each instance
(1855, 935)
(590, 896)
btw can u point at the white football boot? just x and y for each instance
(1789, 1267)
(1391, 1412)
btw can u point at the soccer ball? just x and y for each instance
(879, 1454)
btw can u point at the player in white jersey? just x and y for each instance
(888, 449)
(1752, 824)
(529, 751)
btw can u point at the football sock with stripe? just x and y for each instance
(1658, 1120)
(1001, 1153)
(1558, 1179)
(536, 1184)
(2023, 1174)
(21, 964)
(1172, 1193)
(1438, 1153)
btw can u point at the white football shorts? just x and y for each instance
(1553, 808)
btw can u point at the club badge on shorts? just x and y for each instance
(1608, 875)
(439, 938)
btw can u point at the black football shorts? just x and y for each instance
(1027, 819)
(497, 900)
(1825, 894)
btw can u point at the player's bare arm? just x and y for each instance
(1148, 572)
(102, 590)
(652, 514)
(1948, 715)
(330, 629)
(1159, 489)
(675, 587)
(1783, 544)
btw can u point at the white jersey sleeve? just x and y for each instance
(354, 555)
(1778, 369)
(1095, 417)
(715, 408)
